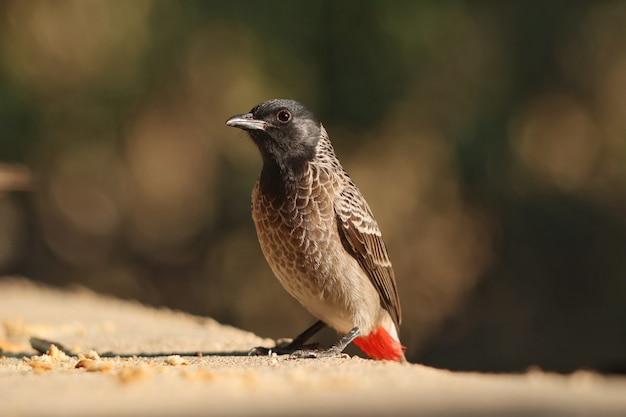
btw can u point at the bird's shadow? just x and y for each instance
(43, 346)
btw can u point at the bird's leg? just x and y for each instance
(304, 337)
(296, 344)
(334, 350)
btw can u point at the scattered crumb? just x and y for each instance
(48, 360)
(92, 354)
(176, 360)
(94, 365)
(134, 373)
(39, 364)
(56, 354)
(83, 363)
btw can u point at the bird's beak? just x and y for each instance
(246, 122)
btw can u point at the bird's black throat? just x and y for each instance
(277, 175)
(280, 164)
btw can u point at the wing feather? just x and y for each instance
(363, 240)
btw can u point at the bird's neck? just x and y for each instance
(277, 176)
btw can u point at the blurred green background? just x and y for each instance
(488, 137)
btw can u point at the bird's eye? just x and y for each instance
(283, 116)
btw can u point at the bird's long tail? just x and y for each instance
(379, 344)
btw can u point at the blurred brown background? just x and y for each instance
(488, 137)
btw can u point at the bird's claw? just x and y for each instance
(288, 349)
(316, 353)
(305, 354)
(260, 351)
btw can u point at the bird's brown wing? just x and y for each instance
(363, 240)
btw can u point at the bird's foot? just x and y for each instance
(333, 351)
(287, 346)
(296, 349)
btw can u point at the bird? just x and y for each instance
(319, 236)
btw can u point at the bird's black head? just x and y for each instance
(286, 132)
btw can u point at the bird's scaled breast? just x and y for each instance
(295, 230)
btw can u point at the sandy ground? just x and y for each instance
(224, 381)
